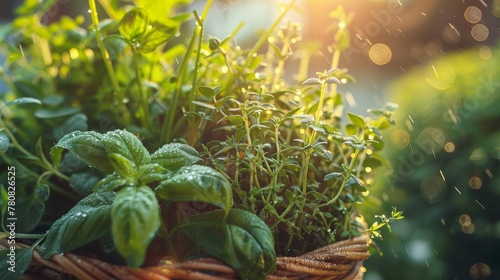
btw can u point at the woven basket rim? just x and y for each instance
(339, 260)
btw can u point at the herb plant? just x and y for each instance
(222, 122)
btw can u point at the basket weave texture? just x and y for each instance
(340, 260)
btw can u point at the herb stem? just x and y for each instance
(143, 96)
(200, 30)
(346, 178)
(105, 56)
(166, 131)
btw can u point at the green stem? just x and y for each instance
(346, 178)
(143, 96)
(193, 129)
(253, 52)
(23, 235)
(108, 8)
(166, 131)
(105, 56)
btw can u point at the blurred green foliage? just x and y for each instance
(445, 171)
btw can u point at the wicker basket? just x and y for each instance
(340, 260)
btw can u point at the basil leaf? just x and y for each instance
(29, 211)
(123, 166)
(89, 220)
(197, 183)
(243, 240)
(135, 221)
(159, 34)
(127, 145)
(134, 24)
(14, 263)
(173, 156)
(88, 146)
(110, 183)
(153, 173)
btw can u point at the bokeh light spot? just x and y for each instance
(449, 147)
(400, 139)
(485, 52)
(380, 54)
(469, 229)
(473, 14)
(465, 220)
(433, 189)
(480, 271)
(480, 32)
(475, 183)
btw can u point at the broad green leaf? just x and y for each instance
(29, 212)
(13, 264)
(160, 10)
(83, 182)
(4, 143)
(134, 24)
(356, 120)
(135, 221)
(242, 240)
(175, 155)
(127, 145)
(88, 220)
(71, 163)
(122, 165)
(110, 183)
(153, 172)
(74, 123)
(55, 113)
(88, 146)
(157, 35)
(197, 183)
(23, 100)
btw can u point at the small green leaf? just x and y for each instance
(127, 145)
(209, 92)
(87, 221)
(175, 155)
(198, 183)
(235, 120)
(312, 81)
(4, 143)
(356, 120)
(135, 221)
(55, 113)
(332, 175)
(158, 34)
(23, 100)
(134, 24)
(242, 240)
(332, 80)
(88, 146)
